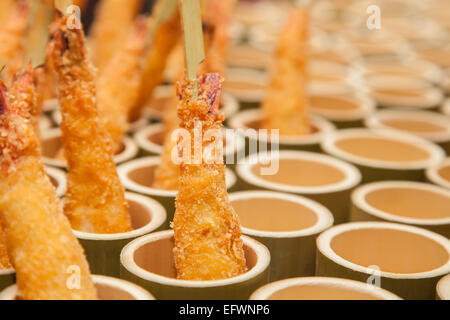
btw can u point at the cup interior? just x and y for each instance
(157, 257)
(444, 172)
(109, 292)
(143, 175)
(392, 250)
(139, 214)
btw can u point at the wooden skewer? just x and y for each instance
(194, 50)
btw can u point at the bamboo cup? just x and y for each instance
(103, 250)
(58, 179)
(345, 111)
(246, 55)
(405, 93)
(324, 179)
(108, 288)
(148, 262)
(52, 144)
(440, 174)
(44, 123)
(383, 154)
(287, 225)
(251, 119)
(418, 204)
(138, 176)
(446, 107)
(248, 86)
(151, 139)
(50, 105)
(405, 260)
(321, 288)
(7, 277)
(443, 288)
(429, 125)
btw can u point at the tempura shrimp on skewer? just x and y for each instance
(38, 237)
(95, 200)
(5, 10)
(285, 106)
(119, 84)
(207, 231)
(12, 51)
(4, 259)
(113, 19)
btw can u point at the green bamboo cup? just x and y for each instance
(58, 179)
(418, 204)
(440, 174)
(287, 225)
(7, 277)
(405, 260)
(138, 176)
(247, 86)
(321, 178)
(148, 261)
(52, 144)
(108, 288)
(321, 288)
(103, 250)
(443, 288)
(431, 126)
(344, 110)
(384, 154)
(248, 122)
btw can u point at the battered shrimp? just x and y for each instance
(5, 10)
(38, 237)
(285, 104)
(95, 200)
(110, 28)
(4, 260)
(164, 41)
(118, 86)
(207, 230)
(12, 50)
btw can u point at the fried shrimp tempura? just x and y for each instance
(285, 104)
(95, 200)
(110, 28)
(38, 237)
(164, 41)
(4, 259)
(12, 49)
(207, 231)
(119, 84)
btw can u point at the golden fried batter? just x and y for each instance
(207, 231)
(112, 22)
(95, 200)
(285, 104)
(4, 260)
(119, 84)
(39, 240)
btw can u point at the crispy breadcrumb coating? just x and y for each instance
(4, 259)
(12, 49)
(207, 231)
(164, 41)
(109, 30)
(119, 84)
(285, 106)
(38, 237)
(95, 200)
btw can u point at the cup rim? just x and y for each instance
(50, 105)
(366, 105)
(440, 287)
(247, 75)
(269, 289)
(324, 217)
(155, 211)
(129, 152)
(352, 174)
(324, 127)
(60, 177)
(142, 135)
(9, 293)
(324, 247)
(7, 272)
(446, 107)
(436, 154)
(375, 121)
(127, 261)
(44, 122)
(359, 200)
(128, 183)
(433, 175)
